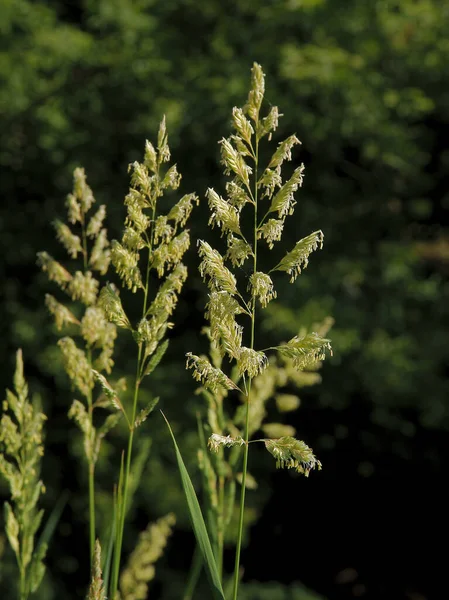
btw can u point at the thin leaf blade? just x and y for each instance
(198, 524)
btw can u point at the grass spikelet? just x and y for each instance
(293, 454)
(140, 569)
(21, 438)
(298, 258)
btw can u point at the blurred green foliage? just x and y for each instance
(363, 85)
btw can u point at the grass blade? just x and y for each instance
(53, 520)
(198, 524)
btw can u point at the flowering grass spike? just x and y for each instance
(264, 199)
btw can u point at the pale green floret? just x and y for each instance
(132, 240)
(108, 390)
(76, 365)
(83, 287)
(166, 298)
(269, 123)
(271, 231)
(145, 412)
(63, 316)
(162, 145)
(298, 258)
(213, 379)
(139, 178)
(136, 218)
(96, 222)
(237, 196)
(182, 210)
(9, 435)
(238, 251)
(140, 569)
(100, 255)
(216, 440)
(242, 125)
(125, 263)
(224, 331)
(262, 288)
(256, 93)
(227, 334)
(172, 179)
(82, 191)
(111, 304)
(55, 270)
(240, 146)
(71, 242)
(168, 255)
(251, 362)
(212, 266)
(162, 230)
(283, 152)
(223, 214)
(150, 157)
(293, 454)
(137, 198)
(234, 163)
(146, 331)
(222, 305)
(305, 350)
(151, 332)
(283, 202)
(270, 180)
(73, 209)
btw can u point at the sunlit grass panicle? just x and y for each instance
(21, 440)
(260, 193)
(152, 247)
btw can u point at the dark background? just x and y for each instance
(365, 87)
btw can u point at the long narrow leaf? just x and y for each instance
(198, 524)
(53, 520)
